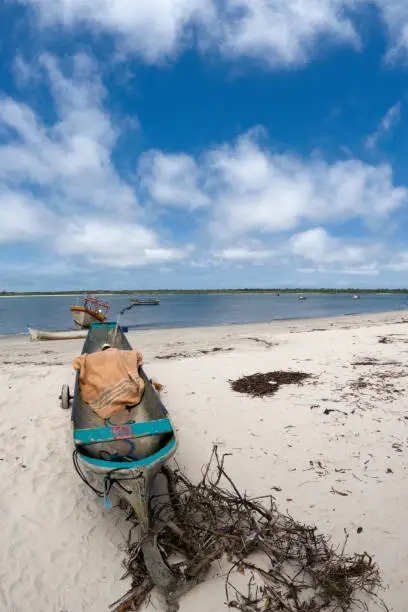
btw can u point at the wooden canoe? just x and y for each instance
(126, 456)
(68, 334)
(151, 302)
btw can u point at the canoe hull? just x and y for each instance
(42, 334)
(133, 450)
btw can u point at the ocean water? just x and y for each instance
(192, 310)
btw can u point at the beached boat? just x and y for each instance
(147, 302)
(126, 456)
(92, 310)
(45, 334)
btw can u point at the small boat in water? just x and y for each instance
(63, 334)
(147, 302)
(92, 310)
(126, 455)
(356, 297)
(301, 298)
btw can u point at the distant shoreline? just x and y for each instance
(276, 292)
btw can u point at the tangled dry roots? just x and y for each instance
(301, 570)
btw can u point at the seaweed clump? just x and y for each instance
(259, 385)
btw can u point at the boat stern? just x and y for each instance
(132, 480)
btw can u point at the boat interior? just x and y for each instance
(95, 442)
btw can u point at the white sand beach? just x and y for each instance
(61, 551)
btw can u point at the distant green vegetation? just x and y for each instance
(201, 291)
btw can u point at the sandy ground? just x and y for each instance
(61, 551)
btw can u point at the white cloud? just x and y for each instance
(283, 32)
(172, 180)
(254, 197)
(254, 190)
(58, 184)
(153, 28)
(60, 188)
(318, 246)
(398, 262)
(118, 245)
(313, 251)
(242, 254)
(72, 157)
(372, 269)
(280, 33)
(387, 123)
(339, 256)
(395, 16)
(369, 269)
(22, 219)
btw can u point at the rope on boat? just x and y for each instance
(108, 481)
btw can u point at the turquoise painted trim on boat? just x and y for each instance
(118, 432)
(130, 465)
(103, 325)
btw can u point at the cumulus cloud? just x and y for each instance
(59, 187)
(22, 218)
(114, 244)
(58, 182)
(244, 255)
(311, 251)
(152, 28)
(73, 156)
(172, 180)
(318, 246)
(249, 189)
(281, 190)
(284, 32)
(398, 262)
(254, 198)
(253, 190)
(279, 33)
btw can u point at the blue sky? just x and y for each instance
(203, 143)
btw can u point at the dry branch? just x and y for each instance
(213, 519)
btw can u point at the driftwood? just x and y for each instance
(301, 570)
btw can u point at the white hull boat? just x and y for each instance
(68, 334)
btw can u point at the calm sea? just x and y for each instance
(192, 310)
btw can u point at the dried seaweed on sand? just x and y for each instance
(296, 569)
(259, 385)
